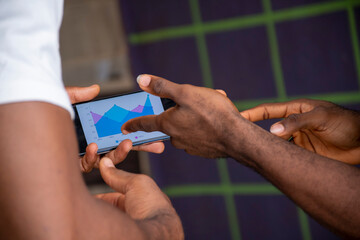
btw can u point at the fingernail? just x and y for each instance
(107, 162)
(143, 80)
(125, 132)
(277, 128)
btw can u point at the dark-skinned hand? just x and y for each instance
(139, 197)
(200, 123)
(319, 126)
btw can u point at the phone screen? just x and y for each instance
(101, 120)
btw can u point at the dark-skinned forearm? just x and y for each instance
(326, 189)
(42, 195)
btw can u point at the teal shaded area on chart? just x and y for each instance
(110, 123)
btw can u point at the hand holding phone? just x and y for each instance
(100, 121)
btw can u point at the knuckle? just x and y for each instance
(320, 109)
(310, 102)
(130, 125)
(183, 92)
(109, 181)
(141, 180)
(266, 114)
(84, 165)
(323, 111)
(159, 86)
(293, 118)
(140, 125)
(75, 94)
(160, 123)
(304, 101)
(136, 125)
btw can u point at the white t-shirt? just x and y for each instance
(30, 67)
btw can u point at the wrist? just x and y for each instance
(245, 142)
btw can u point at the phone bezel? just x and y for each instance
(167, 103)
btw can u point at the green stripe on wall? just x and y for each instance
(241, 22)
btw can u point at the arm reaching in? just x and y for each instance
(319, 126)
(91, 159)
(43, 195)
(140, 198)
(206, 123)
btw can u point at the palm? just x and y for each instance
(326, 143)
(141, 198)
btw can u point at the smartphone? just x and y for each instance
(100, 121)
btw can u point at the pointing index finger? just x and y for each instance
(146, 123)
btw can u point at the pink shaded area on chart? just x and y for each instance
(96, 117)
(138, 109)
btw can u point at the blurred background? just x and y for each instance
(257, 51)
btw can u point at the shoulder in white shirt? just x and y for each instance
(30, 66)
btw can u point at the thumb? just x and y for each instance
(115, 178)
(82, 94)
(294, 123)
(159, 86)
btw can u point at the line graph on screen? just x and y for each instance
(110, 123)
